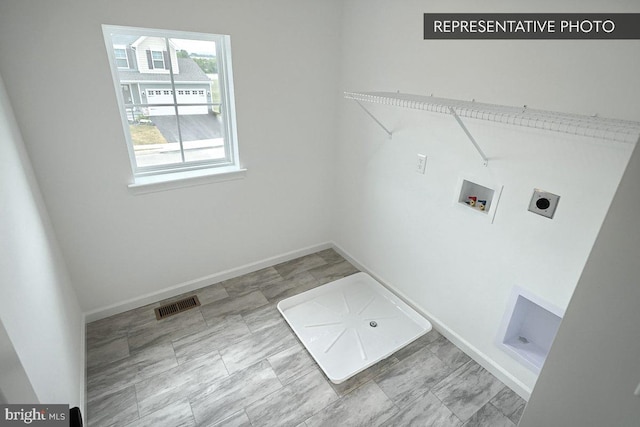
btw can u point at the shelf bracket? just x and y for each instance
(387, 131)
(485, 160)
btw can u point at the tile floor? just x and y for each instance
(233, 361)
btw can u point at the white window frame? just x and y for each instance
(218, 169)
(153, 60)
(126, 56)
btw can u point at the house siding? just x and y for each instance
(154, 43)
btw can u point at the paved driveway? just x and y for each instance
(194, 127)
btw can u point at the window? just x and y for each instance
(121, 57)
(169, 131)
(157, 59)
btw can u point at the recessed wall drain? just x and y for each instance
(373, 323)
(176, 307)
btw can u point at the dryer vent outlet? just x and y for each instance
(543, 203)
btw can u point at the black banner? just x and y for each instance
(532, 26)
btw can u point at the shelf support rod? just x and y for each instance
(485, 160)
(387, 131)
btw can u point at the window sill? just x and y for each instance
(170, 181)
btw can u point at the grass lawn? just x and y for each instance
(143, 134)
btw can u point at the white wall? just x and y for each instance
(14, 383)
(40, 321)
(455, 265)
(593, 367)
(120, 246)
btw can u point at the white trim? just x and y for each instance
(180, 179)
(485, 361)
(82, 403)
(171, 291)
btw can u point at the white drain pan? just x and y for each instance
(351, 323)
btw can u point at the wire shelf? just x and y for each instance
(625, 131)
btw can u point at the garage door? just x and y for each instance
(184, 96)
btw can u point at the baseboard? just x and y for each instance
(82, 402)
(200, 282)
(482, 359)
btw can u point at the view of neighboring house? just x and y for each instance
(143, 69)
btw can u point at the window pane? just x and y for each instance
(202, 127)
(155, 140)
(158, 59)
(202, 137)
(121, 58)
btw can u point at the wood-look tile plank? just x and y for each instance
(168, 329)
(126, 372)
(298, 284)
(412, 377)
(239, 419)
(251, 282)
(205, 295)
(427, 411)
(217, 311)
(418, 344)
(274, 292)
(489, 416)
(330, 256)
(292, 363)
(292, 404)
(257, 346)
(365, 406)
(182, 382)
(107, 351)
(174, 414)
(119, 324)
(117, 408)
(364, 376)
(510, 404)
(107, 379)
(224, 398)
(153, 360)
(448, 353)
(210, 340)
(296, 266)
(467, 390)
(330, 272)
(263, 317)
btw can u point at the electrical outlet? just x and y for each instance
(422, 163)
